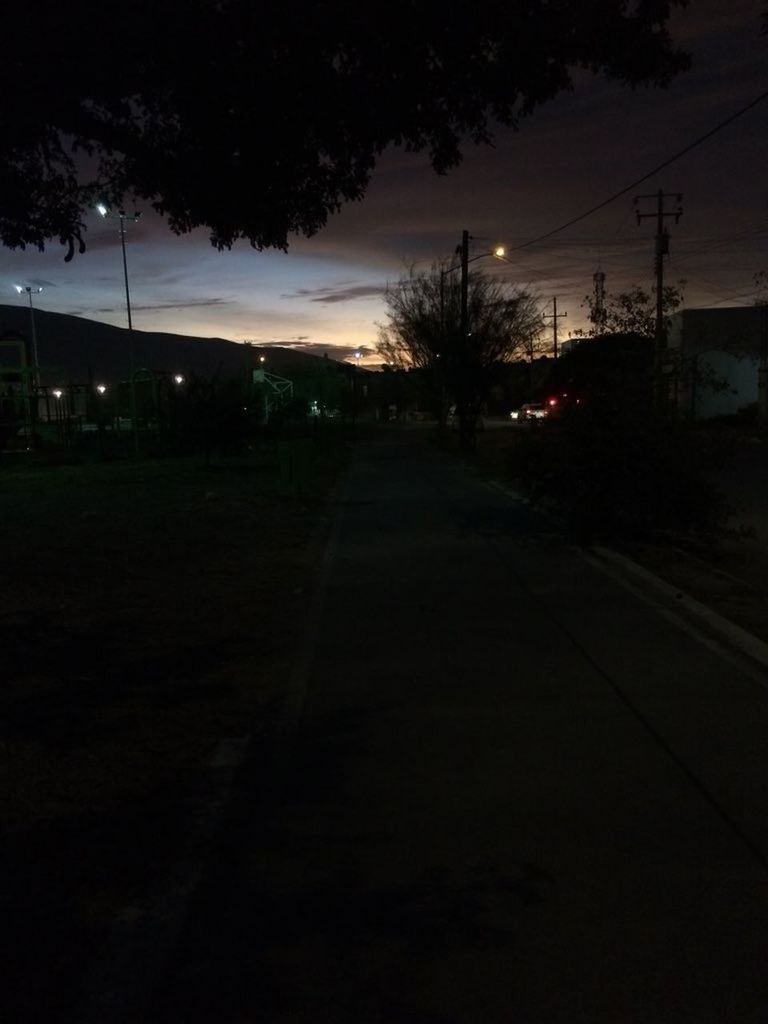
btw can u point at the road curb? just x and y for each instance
(647, 584)
(737, 639)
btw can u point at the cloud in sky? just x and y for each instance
(327, 291)
(337, 293)
(184, 304)
(368, 354)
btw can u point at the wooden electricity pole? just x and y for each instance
(554, 316)
(662, 250)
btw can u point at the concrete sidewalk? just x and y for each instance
(513, 792)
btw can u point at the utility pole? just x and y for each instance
(598, 309)
(466, 431)
(464, 288)
(762, 369)
(662, 250)
(554, 316)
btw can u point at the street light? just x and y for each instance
(30, 292)
(122, 216)
(178, 378)
(499, 252)
(462, 250)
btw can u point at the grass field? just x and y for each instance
(149, 610)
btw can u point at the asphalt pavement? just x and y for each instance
(505, 788)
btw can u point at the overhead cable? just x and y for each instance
(645, 177)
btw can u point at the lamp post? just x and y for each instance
(30, 290)
(101, 390)
(462, 250)
(122, 216)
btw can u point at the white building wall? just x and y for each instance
(723, 343)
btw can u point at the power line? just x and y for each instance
(713, 245)
(650, 174)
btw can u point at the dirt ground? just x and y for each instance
(149, 610)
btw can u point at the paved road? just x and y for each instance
(514, 793)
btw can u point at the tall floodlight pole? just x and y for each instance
(30, 292)
(122, 216)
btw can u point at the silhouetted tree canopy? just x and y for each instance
(424, 317)
(423, 330)
(256, 120)
(631, 312)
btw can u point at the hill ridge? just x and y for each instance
(74, 347)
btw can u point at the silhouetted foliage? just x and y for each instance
(423, 330)
(611, 370)
(614, 465)
(258, 120)
(619, 469)
(632, 312)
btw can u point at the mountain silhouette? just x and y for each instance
(74, 349)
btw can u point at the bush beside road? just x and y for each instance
(719, 557)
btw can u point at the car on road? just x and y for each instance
(529, 411)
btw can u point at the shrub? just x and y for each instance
(619, 471)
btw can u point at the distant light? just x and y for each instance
(262, 359)
(178, 378)
(499, 252)
(57, 393)
(357, 355)
(101, 388)
(552, 401)
(102, 209)
(18, 288)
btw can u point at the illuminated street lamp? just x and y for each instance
(462, 250)
(178, 379)
(30, 290)
(499, 253)
(101, 388)
(57, 392)
(122, 216)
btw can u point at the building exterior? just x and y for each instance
(717, 360)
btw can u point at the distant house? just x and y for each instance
(717, 358)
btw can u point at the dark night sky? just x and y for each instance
(571, 155)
